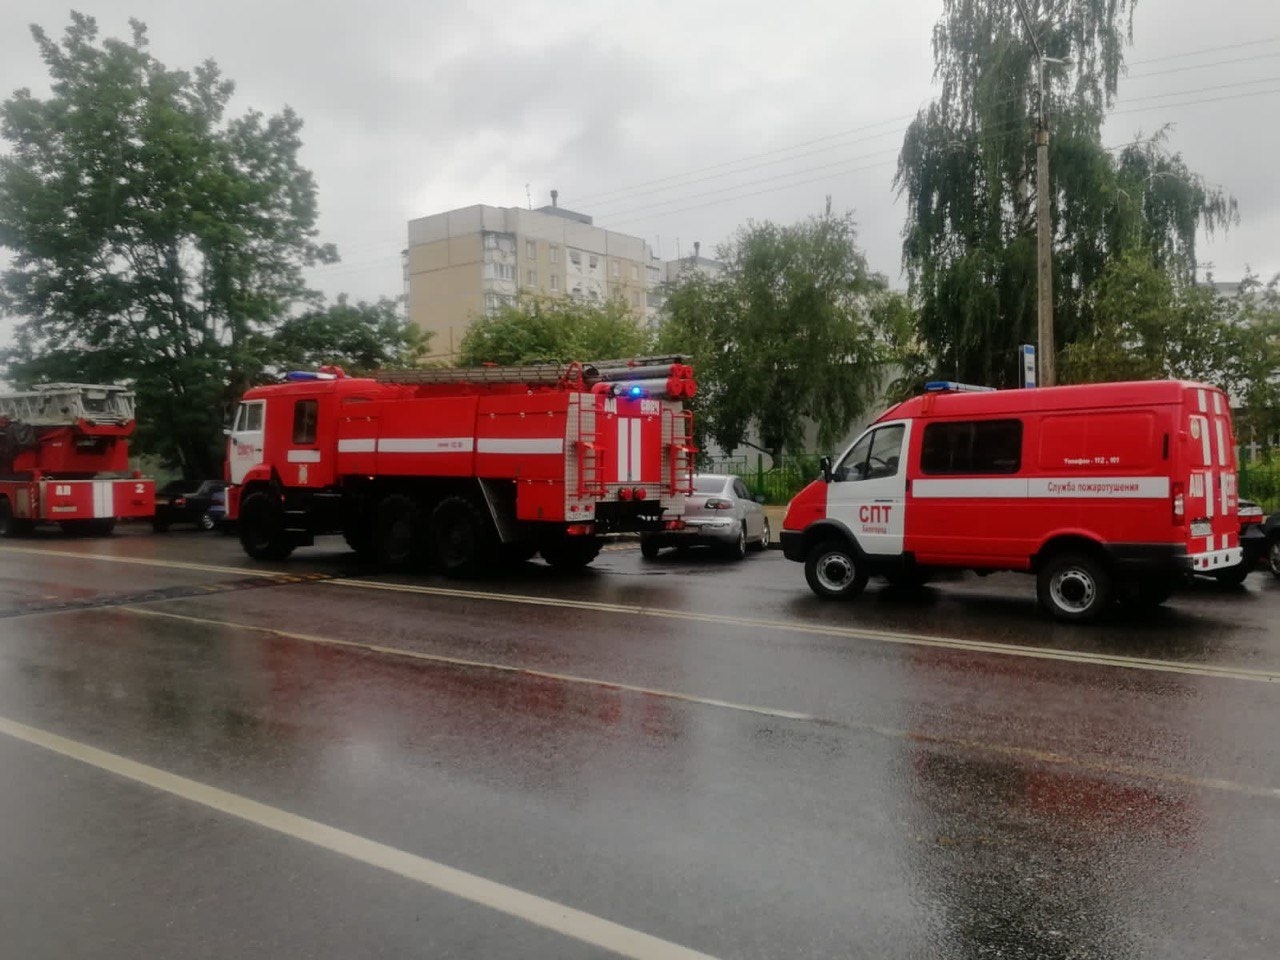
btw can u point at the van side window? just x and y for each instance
(972, 446)
(876, 455)
(304, 421)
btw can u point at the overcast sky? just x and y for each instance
(739, 110)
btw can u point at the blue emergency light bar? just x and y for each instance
(951, 386)
(294, 376)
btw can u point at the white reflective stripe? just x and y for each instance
(520, 445)
(1222, 443)
(1205, 453)
(357, 445)
(1209, 494)
(104, 504)
(426, 444)
(1217, 402)
(634, 473)
(624, 448)
(303, 456)
(1201, 401)
(969, 488)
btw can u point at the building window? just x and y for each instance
(593, 262)
(532, 278)
(635, 271)
(615, 269)
(575, 258)
(304, 421)
(973, 446)
(555, 254)
(555, 283)
(491, 241)
(530, 250)
(635, 299)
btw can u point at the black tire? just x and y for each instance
(514, 554)
(1273, 555)
(738, 549)
(649, 548)
(763, 542)
(101, 527)
(1147, 592)
(207, 522)
(571, 553)
(11, 526)
(262, 532)
(835, 571)
(462, 539)
(398, 540)
(1232, 576)
(1074, 587)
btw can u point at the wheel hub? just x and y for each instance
(1073, 589)
(835, 571)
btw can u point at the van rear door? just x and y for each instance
(1211, 472)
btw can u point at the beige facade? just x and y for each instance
(465, 263)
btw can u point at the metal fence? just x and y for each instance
(779, 483)
(1260, 482)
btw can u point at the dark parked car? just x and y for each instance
(177, 502)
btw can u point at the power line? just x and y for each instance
(1189, 103)
(1220, 86)
(1204, 66)
(1196, 53)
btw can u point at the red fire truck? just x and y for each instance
(1102, 491)
(64, 457)
(464, 467)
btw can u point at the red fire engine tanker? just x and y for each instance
(64, 457)
(1103, 491)
(464, 467)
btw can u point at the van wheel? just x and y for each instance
(1074, 587)
(1147, 592)
(834, 571)
(460, 538)
(399, 530)
(262, 532)
(1273, 555)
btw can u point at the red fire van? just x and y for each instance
(1104, 491)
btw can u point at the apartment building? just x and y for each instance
(465, 263)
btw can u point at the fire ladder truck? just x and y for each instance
(64, 458)
(464, 468)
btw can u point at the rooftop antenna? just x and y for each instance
(555, 197)
(528, 196)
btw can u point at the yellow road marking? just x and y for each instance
(788, 626)
(1006, 750)
(533, 909)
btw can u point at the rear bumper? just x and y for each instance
(696, 533)
(1147, 558)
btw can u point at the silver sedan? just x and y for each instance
(720, 513)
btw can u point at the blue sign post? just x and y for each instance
(1028, 352)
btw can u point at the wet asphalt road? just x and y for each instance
(695, 751)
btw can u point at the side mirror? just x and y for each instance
(226, 431)
(759, 498)
(826, 469)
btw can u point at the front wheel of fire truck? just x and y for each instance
(1074, 587)
(571, 553)
(11, 526)
(835, 571)
(262, 531)
(460, 538)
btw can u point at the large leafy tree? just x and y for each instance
(155, 240)
(967, 169)
(544, 329)
(358, 337)
(788, 336)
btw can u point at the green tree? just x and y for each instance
(967, 169)
(786, 336)
(155, 240)
(543, 329)
(358, 337)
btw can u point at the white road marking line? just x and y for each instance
(810, 629)
(480, 665)
(1006, 750)
(562, 919)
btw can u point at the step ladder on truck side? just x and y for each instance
(64, 458)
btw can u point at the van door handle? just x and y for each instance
(883, 500)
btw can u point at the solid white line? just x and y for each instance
(562, 919)
(821, 630)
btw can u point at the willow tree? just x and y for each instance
(967, 169)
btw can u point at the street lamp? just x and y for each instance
(1044, 240)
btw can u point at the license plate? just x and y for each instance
(1202, 528)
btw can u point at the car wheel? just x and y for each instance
(649, 548)
(1273, 555)
(738, 549)
(1074, 587)
(835, 571)
(207, 522)
(764, 536)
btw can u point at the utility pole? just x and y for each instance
(1044, 226)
